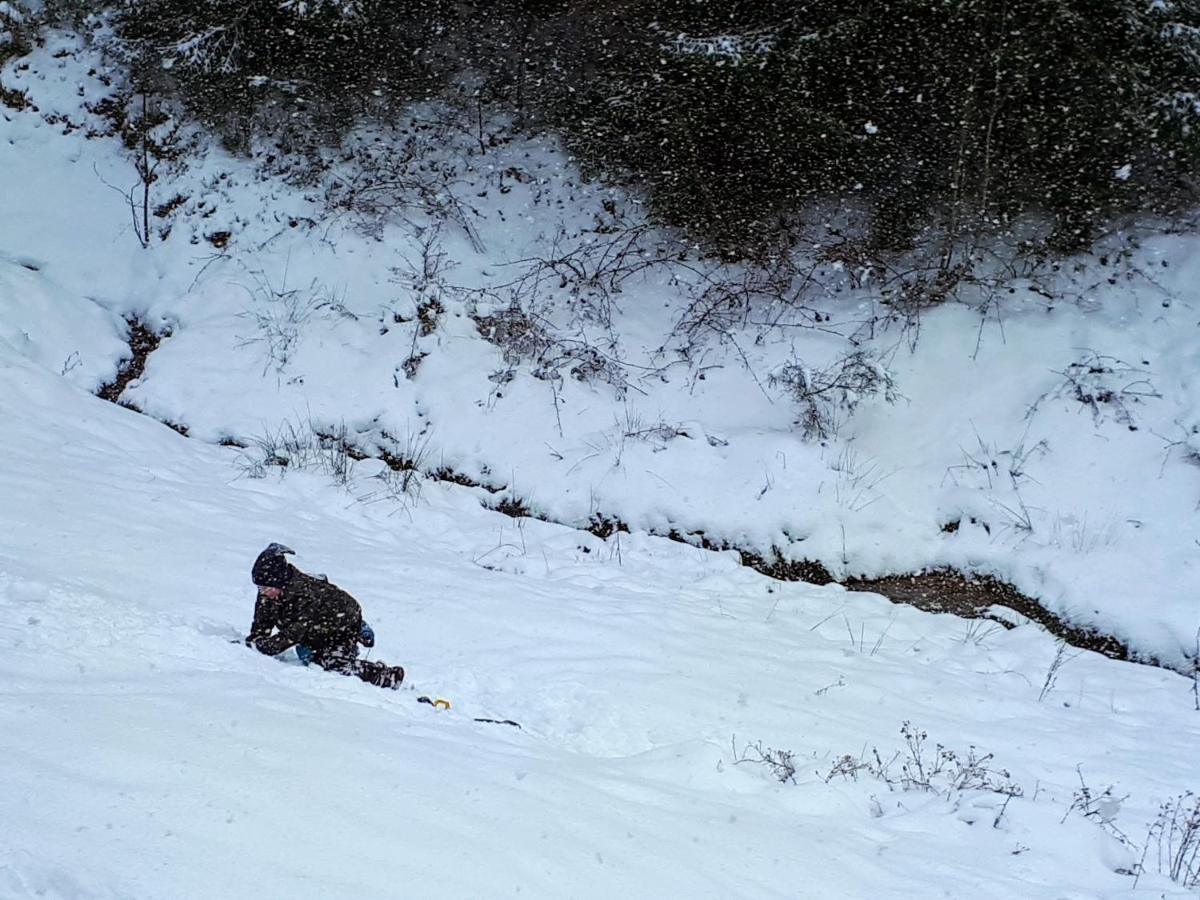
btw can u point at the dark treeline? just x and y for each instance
(736, 119)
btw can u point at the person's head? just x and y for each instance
(271, 571)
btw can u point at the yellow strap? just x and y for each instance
(441, 703)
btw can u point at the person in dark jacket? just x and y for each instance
(319, 619)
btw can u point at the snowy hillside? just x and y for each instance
(689, 727)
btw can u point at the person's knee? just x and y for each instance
(336, 663)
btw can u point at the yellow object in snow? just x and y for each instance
(435, 702)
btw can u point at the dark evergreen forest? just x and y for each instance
(906, 122)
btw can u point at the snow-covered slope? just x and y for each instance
(1048, 439)
(148, 755)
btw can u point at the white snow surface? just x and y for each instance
(146, 754)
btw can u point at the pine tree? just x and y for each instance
(246, 64)
(955, 119)
(959, 117)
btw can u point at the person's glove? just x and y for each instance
(304, 654)
(366, 636)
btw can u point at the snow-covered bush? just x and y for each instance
(14, 39)
(301, 447)
(827, 395)
(525, 336)
(940, 770)
(279, 315)
(409, 173)
(1105, 386)
(1176, 836)
(780, 763)
(158, 144)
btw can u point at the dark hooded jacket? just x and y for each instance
(313, 612)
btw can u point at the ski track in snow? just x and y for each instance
(145, 755)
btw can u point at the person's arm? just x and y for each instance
(266, 614)
(276, 643)
(292, 616)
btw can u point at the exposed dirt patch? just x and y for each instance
(773, 566)
(514, 507)
(338, 440)
(950, 591)
(412, 462)
(445, 473)
(142, 342)
(933, 590)
(165, 209)
(177, 427)
(13, 99)
(776, 566)
(603, 527)
(429, 314)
